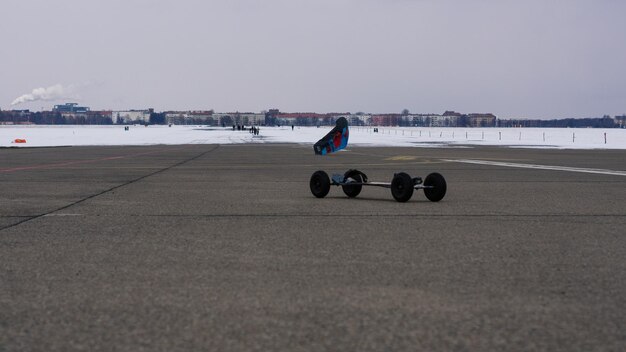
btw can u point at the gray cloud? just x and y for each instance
(515, 59)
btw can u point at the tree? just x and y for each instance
(227, 120)
(157, 118)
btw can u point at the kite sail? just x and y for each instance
(334, 140)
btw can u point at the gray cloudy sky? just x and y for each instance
(532, 58)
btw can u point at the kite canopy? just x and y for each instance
(334, 140)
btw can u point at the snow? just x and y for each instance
(75, 135)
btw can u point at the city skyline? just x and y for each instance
(74, 114)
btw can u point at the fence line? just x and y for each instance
(506, 136)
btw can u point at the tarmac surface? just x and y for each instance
(224, 248)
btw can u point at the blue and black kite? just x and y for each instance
(334, 140)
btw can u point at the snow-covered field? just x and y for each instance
(566, 138)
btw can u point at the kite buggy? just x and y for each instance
(402, 185)
(352, 181)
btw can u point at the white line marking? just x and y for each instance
(63, 215)
(540, 167)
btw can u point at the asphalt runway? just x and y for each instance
(224, 248)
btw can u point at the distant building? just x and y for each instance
(300, 119)
(452, 118)
(386, 119)
(72, 113)
(481, 120)
(428, 120)
(72, 108)
(250, 118)
(191, 117)
(450, 113)
(131, 116)
(240, 118)
(359, 119)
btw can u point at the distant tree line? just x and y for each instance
(274, 118)
(54, 118)
(157, 118)
(593, 122)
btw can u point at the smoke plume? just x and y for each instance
(54, 92)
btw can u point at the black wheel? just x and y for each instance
(353, 190)
(320, 184)
(402, 187)
(438, 184)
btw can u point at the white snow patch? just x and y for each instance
(83, 135)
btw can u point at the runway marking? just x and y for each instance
(76, 162)
(68, 163)
(47, 215)
(402, 158)
(540, 167)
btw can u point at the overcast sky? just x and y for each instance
(532, 58)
